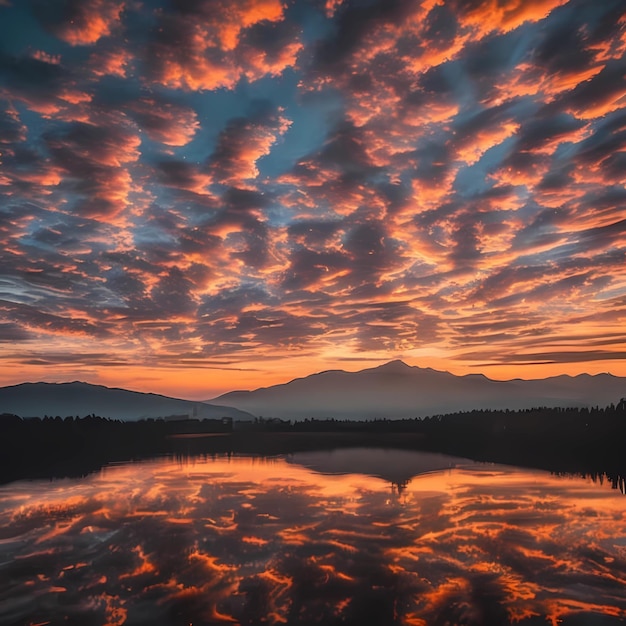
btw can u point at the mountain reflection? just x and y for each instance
(250, 540)
(397, 467)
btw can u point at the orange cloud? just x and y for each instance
(242, 143)
(332, 6)
(90, 20)
(490, 15)
(111, 63)
(212, 48)
(168, 123)
(476, 146)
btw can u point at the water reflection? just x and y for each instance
(397, 467)
(249, 541)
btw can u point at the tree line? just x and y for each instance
(588, 440)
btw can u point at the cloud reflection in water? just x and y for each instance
(234, 540)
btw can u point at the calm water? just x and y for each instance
(349, 537)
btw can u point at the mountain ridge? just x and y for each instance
(391, 390)
(398, 390)
(82, 398)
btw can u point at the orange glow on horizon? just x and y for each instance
(203, 382)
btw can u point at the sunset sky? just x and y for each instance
(202, 195)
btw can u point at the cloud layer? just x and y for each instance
(201, 180)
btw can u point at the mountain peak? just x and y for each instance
(396, 390)
(396, 365)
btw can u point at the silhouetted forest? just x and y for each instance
(71, 446)
(567, 440)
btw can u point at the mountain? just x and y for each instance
(394, 390)
(39, 399)
(397, 390)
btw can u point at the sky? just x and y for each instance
(205, 195)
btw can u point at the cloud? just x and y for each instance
(243, 142)
(113, 62)
(597, 96)
(95, 160)
(33, 318)
(12, 130)
(485, 16)
(37, 81)
(183, 176)
(11, 332)
(172, 294)
(383, 176)
(80, 22)
(536, 358)
(165, 122)
(213, 45)
(311, 269)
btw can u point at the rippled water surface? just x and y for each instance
(348, 537)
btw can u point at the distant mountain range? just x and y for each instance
(394, 390)
(397, 390)
(63, 399)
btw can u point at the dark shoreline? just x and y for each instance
(96, 453)
(572, 441)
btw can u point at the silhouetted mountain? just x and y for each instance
(63, 399)
(397, 390)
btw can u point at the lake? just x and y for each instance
(356, 536)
